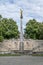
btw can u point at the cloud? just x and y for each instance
(31, 9)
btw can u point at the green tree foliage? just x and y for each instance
(8, 28)
(1, 38)
(33, 30)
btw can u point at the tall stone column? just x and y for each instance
(21, 31)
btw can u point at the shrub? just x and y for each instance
(1, 38)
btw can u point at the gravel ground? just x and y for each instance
(21, 60)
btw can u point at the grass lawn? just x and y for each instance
(37, 54)
(10, 54)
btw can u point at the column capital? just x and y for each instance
(21, 14)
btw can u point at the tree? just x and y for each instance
(8, 28)
(41, 31)
(33, 30)
(0, 17)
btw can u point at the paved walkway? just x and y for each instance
(21, 60)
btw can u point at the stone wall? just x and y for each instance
(30, 45)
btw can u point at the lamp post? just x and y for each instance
(21, 31)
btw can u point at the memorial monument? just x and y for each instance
(21, 31)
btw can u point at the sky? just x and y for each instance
(32, 9)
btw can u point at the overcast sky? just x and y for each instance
(31, 9)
